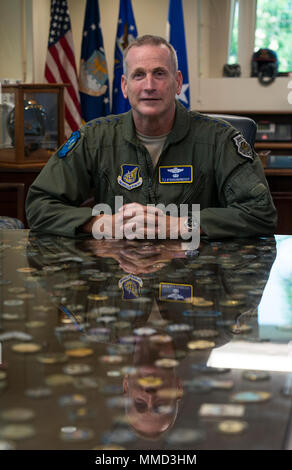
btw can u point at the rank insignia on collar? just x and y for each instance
(242, 146)
(130, 176)
(131, 286)
(175, 292)
(69, 144)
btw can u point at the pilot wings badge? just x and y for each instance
(130, 177)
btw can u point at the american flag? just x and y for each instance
(60, 63)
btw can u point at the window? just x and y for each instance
(233, 40)
(273, 30)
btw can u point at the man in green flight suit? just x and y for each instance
(157, 153)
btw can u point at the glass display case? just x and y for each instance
(31, 123)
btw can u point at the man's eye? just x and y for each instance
(138, 75)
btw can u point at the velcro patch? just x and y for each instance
(175, 292)
(243, 148)
(71, 142)
(176, 174)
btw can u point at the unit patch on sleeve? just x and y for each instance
(130, 177)
(69, 144)
(176, 174)
(242, 146)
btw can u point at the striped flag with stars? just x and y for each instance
(126, 32)
(176, 37)
(60, 63)
(93, 77)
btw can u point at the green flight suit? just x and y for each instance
(227, 176)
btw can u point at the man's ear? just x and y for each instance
(179, 81)
(124, 86)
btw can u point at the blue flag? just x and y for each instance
(93, 77)
(126, 33)
(176, 37)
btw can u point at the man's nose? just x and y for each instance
(149, 82)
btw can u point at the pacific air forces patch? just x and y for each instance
(130, 176)
(242, 146)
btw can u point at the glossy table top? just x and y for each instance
(145, 345)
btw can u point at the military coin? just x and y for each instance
(200, 344)
(166, 363)
(26, 270)
(73, 434)
(82, 352)
(205, 333)
(119, 436)
(3, 375)
(178, 328)
(255, 376)
(16, 290)
(17, 431)
(161, 339)
(144, 331)
(241, 328)
(185, 435)
(77, 369)
(72, 400)
(38, 392)
(52, 358)
(13, 303)
(109, 447)
(250, 397)
(26, 348)
(230, 426)
(97, 297)
(230, 303)
(57, 380)
(201, 302)
(150, 382)
(17, 414)
(169, 393)
(111, 359)
(35, 324)
(88, 383)
(5, 445)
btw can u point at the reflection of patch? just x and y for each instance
(242, 146)
(131, 286)
(175, 292)
(69, 144)
(129, 177)
(176, 174)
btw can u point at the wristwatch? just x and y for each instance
(192, 224)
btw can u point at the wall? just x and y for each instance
(151, 16)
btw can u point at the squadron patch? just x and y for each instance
(130, 177)
(242, 146)
(131, 286)
(69, 144)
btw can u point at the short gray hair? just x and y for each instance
(151, 40)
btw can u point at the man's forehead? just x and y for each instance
(147, 52)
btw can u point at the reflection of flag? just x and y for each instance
(93, 78)
(60, 63)
(126, 33)
(176, 37)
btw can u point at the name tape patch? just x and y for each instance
(176, 174)
(175, 292)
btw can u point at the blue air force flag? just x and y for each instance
(176, 37)
(126, 33)
(93, 77)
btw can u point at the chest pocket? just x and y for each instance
(192, 191)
